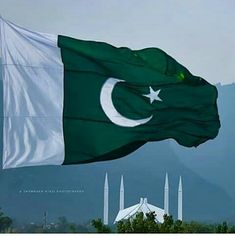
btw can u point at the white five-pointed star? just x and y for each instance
(153, 95)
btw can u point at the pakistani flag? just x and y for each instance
(69, 101)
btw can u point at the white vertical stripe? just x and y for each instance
(33, 98)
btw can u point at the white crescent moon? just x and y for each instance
(109, 109)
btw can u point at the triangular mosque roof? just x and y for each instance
(142, 206)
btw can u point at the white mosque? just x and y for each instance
(143, 205)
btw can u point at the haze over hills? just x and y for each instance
(143, 171)
(215, 160)
(206, 171)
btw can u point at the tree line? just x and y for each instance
(140, 223)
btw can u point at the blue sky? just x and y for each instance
(199, 34)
